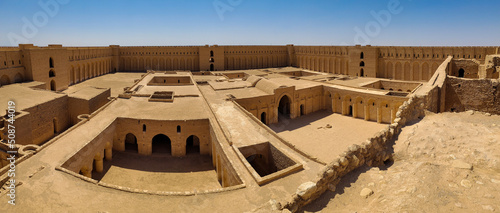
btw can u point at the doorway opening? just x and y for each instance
(161, 144)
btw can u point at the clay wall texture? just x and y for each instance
(199, 128)
(470, 68)
(472, 94)
(47, 119)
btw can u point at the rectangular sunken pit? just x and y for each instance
(170, 81)
(266, 162)
(299, 73)
(162, 96)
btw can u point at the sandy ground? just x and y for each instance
(115, 81)
(445, 163)
(160, 172)
(309, 133)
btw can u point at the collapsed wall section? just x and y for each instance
(472, 94)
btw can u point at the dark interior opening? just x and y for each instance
(131, 142)
(161, 144)
(461, 73)
(192, 144)
(284, 106)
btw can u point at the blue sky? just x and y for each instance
(250, 22)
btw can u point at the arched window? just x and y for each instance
(53, 85)
(52, 74)
(178, 129)
(263, 117)
(51, 63)
(461, 73)
(362, 55)
(211, 53)
(362, 64)
(144, 127)
(54, 122)
(211, 60)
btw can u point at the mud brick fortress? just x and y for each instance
(170, 126)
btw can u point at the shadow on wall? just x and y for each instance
(162, 164)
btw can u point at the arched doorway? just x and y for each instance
(18, 78)
(362, 73)
(53, 85)
(302, 109)
(4, 80)
(161, 144)
(350, 110)
(131, 142)
(263, 117)
(461, 73)
(284, 106)
(192, 144)
(212, 68)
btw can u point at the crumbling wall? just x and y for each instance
(491, 67)
(470, 68)
(472, 94)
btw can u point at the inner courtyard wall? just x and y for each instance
(76, 64)
(302, 102)
(144, 131)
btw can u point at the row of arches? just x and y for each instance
(254, 62)
(416, 71)
(161, 144)
(97, 164)
(81, 72)
(324, 64)
(164, 63)
(6, 80)
(381, 111)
